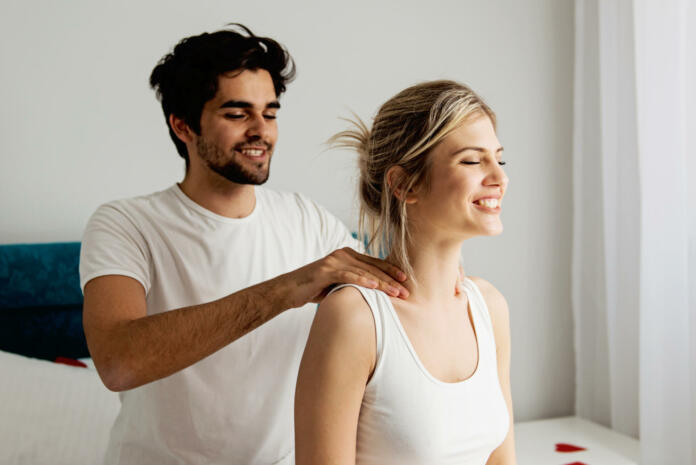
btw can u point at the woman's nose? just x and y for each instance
(497, 176)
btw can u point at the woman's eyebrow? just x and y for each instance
(476, 149)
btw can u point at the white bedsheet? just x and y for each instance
(52, 413)
(536, 443)
(62, 415)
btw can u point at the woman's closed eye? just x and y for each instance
(470, 162)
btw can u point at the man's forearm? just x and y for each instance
(153, 347)
(130, 349)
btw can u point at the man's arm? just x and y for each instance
(339, 357)
(130, 348)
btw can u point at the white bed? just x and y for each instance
(536, 443)
(61, 415)
(52, 413)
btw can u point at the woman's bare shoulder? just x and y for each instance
(346, 310)
(344, 330)
(495, 301)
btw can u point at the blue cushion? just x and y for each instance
(39, 275)
(41, 300)
(46, 333)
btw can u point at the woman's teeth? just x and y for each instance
(488, 203)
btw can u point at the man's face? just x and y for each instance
(238, 127)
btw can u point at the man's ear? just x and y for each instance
(181, 129)
(395, 178)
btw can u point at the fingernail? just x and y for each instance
(402, 276)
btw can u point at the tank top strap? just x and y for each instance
(485, 333)
(478, 303)
(372, 297)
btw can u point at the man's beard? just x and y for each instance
(220, 162)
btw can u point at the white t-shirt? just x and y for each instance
(236, 405)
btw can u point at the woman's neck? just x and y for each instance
(435, 270)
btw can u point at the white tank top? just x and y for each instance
(410, 417)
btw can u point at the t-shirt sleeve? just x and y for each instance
(333, 233)
(113, 245)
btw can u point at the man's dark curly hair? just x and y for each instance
(187, 77)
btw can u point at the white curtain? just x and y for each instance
(634, 244)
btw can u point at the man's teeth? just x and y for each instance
(253, 152)
(488, 203)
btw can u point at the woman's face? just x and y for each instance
(467, 184)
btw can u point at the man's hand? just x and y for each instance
(312, 282)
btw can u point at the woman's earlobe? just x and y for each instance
(399, 194)
(411, 198)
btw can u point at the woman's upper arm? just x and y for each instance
(500, 318)
(336, 365)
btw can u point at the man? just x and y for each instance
(191, 306)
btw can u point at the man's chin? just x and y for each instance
(240, 175)
(250, 179)
(257, 177)
(257, 181)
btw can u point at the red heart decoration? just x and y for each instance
(561, 447)
(70, 361)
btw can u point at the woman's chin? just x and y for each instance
(493, 230)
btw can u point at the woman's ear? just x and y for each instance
(395, 179)
(181, 129)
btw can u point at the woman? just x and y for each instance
(425, 379)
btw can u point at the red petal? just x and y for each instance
(70, 361)
(561, 447)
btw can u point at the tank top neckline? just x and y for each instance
(414, 354)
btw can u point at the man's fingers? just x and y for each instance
(356, 277)
(387, 268)
(382, 271)
(392, 287)
(365, 278)
(373, 272)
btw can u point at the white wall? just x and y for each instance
(81, 127)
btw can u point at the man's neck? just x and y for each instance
(219, 195)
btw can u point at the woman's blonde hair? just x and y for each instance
(403, 132)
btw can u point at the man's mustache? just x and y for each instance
(256, 144)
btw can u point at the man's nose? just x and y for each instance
(257, 128)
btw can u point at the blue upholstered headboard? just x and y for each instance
(41, 300)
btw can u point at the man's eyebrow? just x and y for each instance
(476, 149)
(244, 104)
